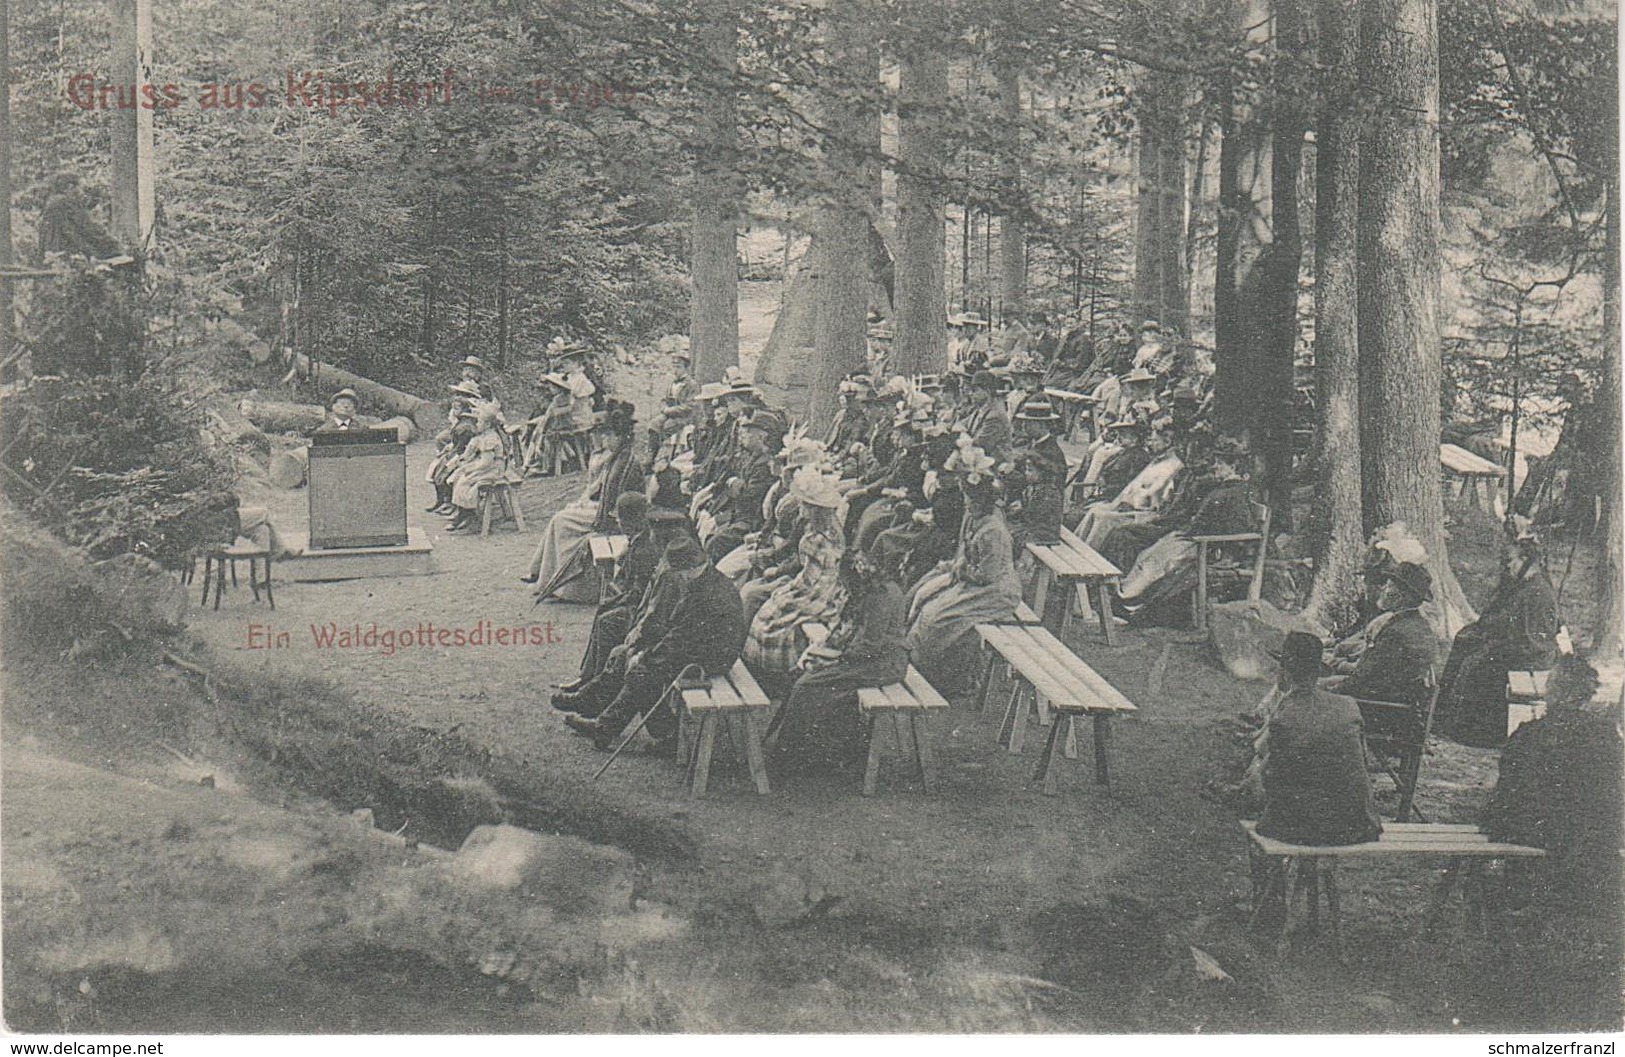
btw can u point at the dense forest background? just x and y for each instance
(1224, 166)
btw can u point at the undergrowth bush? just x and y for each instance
(117, 467)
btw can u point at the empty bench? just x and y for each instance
(733, 700)
(1049, 676)
(1070, 561)
(1465, 849)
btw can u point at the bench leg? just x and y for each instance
(208, 572)
(1045, 771)
(270, 598)
(1016, 718)
(1328, 881)
(871, 769)
(1309, 881)
(1007, 724)
(753, 751)
(899, 730)
(986, 682)
(922, 749)
(1070, 751)
(1103, 593)
(1041, 592)
(702, 758)
(685, 748)
(485, 514)
(1103, 748)
(1199, 601)
(253, 577)
(513, 508)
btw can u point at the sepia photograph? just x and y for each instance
(811, 517)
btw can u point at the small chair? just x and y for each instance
(1255, 586)
(218, 560)
(499, 498)
(1397, 733)
(571, 447)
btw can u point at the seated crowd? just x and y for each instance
(900, 528)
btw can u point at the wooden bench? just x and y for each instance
(1050, 676)
(1465, 849)
(1465, 470)
(734, 700)
(1526, 697)
(499, 497)
(1073, 562)
(908, 705)
(606, 550)
(217, 561)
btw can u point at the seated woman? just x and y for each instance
(813, 594)
(978, 586)
(821, 725)
(484, 461)
(1516, 629)
(773, 558)
(569, 411)
(449, 444)
(563, 558)
(1146, 492)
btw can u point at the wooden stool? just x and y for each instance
(499, 495)
(217, 561)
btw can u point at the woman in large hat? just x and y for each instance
(563, 559)
(484, 461)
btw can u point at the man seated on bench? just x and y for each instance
(706, 627)
(623, 594)
(1400, 650)
(1316, 790)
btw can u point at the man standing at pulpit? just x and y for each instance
(341, 412)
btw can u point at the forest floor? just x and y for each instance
(251, 902)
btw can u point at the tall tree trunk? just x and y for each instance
(7, 258)
(1606, 638)
(714, 267)
(503, 321)
(841, 243)
(1271, 425)
(1229, 352)
(1012, 228)
(134, 205)
(921, 342)
(1159, 274)
(1336, 531)
(1399, 283)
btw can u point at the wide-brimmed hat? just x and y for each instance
(555, 378)
(766, 420)
(812, 487)
(1139, 374)
(711, 391)
(1150, 324)
(472, 361)
(1300, 654)
(343, 394)
(467, 389)
(1128, 423)
(1414, 580)
(1038, 409)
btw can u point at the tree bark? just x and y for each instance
(1336, 530)
(841, 244)
(1606, 637)
(7, 257)
(714, 265)
(1272, 399)
(1012, 229)
(1399, 283)
(921, 342)
(1159, 274)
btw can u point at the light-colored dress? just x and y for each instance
(1146, 492)
(483, 462)
(979, 587)
(567, 533)
(813, 594)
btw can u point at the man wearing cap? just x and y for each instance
(341, 412)
(1316, 790)
(986, 421)
(1035, 423)
(1517, 628)
(1398, 660)
(705, 627)
(677, 407)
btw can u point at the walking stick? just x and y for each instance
(698, 673)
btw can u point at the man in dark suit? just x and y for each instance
(1316, 790)
(706, 626)
(1400, 653)
(618, 608)
(341, 412)
(987, 422)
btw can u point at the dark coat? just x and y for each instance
(1316, 790)
(1122, 468)
(1396, 665)
(707, 625)
(989, 428)
(623, 474)
(1516, 629)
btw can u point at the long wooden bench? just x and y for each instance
(1073, 562)
(1464, 470)
(1050, 676)
(734, 700)
(1465, 848)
